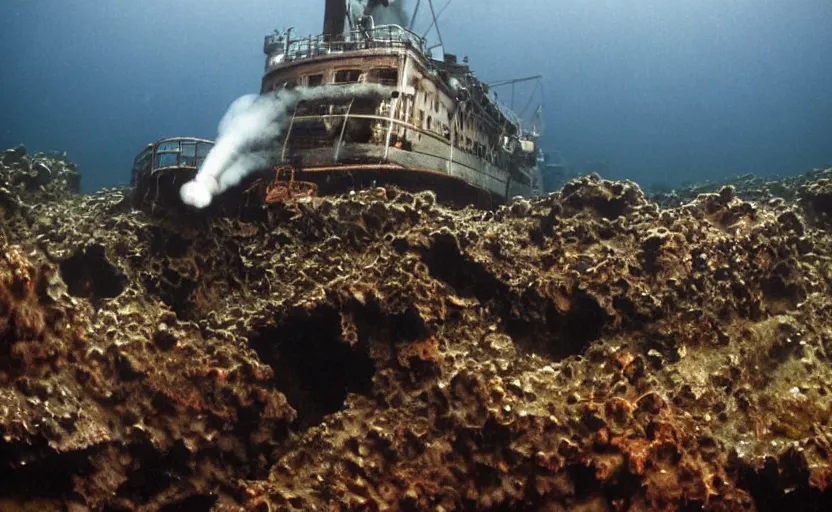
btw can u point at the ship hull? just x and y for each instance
(464, 180)
(368, 163)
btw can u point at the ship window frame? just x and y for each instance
(143, 163)
(318, 76)
(145, 156)
(340, 75)
(163, 159)
(374, 76)
(168, 146)
(199, 149)
(187, 154)
(188, 148)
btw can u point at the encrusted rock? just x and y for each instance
(587, 350)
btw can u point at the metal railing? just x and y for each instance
(383, 36)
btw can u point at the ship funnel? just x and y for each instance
(335, 15)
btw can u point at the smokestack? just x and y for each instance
(335, 15)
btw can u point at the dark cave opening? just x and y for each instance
(152, 471)
(576, 328)
(88, 274)
(563, 333)
(195, 503)
(313, 365)
(36, 465)
(783, 484)
(165, 243)
(447, 263)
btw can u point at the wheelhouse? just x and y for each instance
(164, 166)
(171, 154)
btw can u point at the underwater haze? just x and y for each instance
(651, 90)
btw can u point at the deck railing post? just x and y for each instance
(453, 136)
(393, 105)
(343, 129)
(288, 134)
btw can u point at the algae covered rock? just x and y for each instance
(46, 176)
(586, 350)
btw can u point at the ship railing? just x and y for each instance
(509, 114)
(382, 36)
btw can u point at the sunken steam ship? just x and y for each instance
(373, 107)
(439, 126)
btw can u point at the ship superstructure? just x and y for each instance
(436, 125)
(359, 105)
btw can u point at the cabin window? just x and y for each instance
(142, 162)
(347, 76)
(430, 120)
(165, 160)
(202, 150)
(168, 146)
(314, 80)
(385, 76)
(145, 155)
(188, 155)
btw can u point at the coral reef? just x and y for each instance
(48, 176)
(750, 186)
(588, 350)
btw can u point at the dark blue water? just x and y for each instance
(652, 90)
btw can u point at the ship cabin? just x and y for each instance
(436, 117)
(164, 166)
